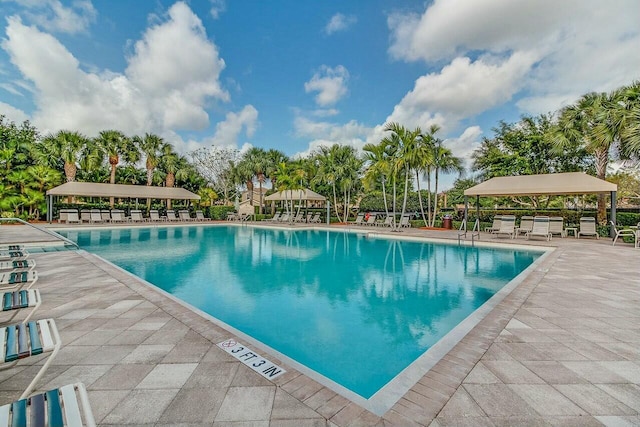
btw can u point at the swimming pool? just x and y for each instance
(355, 309)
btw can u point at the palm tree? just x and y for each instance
(150, 146)
(443, 161)
(424, 165)
(379, 166)
(44, 176)
(65, 145)
(256, 161)
(273, 159)
(114, 144)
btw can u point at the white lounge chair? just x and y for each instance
(540, 228)
(154, 216)
(315, 219)
(622, 233)
(495, 226)
(299, 217)
(171, 216)
(72, 217)
(95, 216)
(67, 406)
(200, 216)
(556, 226)
(275, 217)
(405, 221)
(526, 225)
(118, 216)
(22, 340)
(184, 215)
(388, 221)
(18, 279)
(27, 264)
(507, 226)
(16, 300)
(284, 217)
(14, 255)
(105, 215)
(6, 248)
(359, 219)
(588, 227)
(85, 215)
(371, 220)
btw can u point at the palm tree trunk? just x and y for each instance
(384, 197)
(406, 190)
(149, 182)
(420, 197)
(335, 202)
(602, 159)
(429, 195)
(435, 200)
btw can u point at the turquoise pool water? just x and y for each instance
(356, 310)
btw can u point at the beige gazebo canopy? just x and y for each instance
(92, 189)
(538, 185)
(304, 194)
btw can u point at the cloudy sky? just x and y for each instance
(295, 75)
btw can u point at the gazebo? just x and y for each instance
(555, 184)
(92, 189)
(304, 194)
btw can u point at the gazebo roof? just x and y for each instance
(536, 185)
(92, 189)
(305, 194)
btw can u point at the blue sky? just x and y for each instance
(295, 75)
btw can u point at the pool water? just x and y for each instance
(355, 309)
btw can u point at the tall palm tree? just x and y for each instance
(68, 146)
(150, 145)
(256, 160)
(443, 161)
(379, 166)
(424, 165)
(273, 159)
(115, 144)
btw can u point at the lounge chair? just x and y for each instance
(404, 221)
(388, 221)
(275, 217)
(95, 216)
(540, 228)
(556, 226)
(136, 216)
(105, 215)
(588, 227)
(22, 340)
(622, 233)
(14, 255)
(507, 226)
(371, 220)
(72, 216)
(315, 219)
(16, 300)
(184, 215)
(7, 248)
(64, 406)
(85, 215)
(637, 238)
(526, 225)
(118, 216)
(284, 217)
(359, 219)
(299, 217)
(18, 279)
(232, 216)
(200, 216)
(495, 226)
(154, 216)
(63, 214)
(27, 264)
(171, 216)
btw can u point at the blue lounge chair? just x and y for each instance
(27, 264)
(18, 279)
(16, 300)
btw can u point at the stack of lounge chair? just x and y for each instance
(65, 406)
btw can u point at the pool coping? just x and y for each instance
(389, 395)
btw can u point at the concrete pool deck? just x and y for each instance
(562, 349)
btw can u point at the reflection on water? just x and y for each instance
(355, 309)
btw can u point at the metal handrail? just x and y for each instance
(56, 235)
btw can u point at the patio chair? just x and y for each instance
(275, 217)
(622, 233)
(184, 215)
(171, 216)
(85, 215)
(359, 219)
(67, 406)
(18, 279)
(16, 300)
(6, 248)
(404, 221)
(526, 225)
(588, 227)
(154, 216)
(72, 216)
(200, 216)
(299, 217)
(27, 264)
(389, 221)
(118, 216)
(284, 217)
(22, 340)
(136, 216)
(14, 255)
(556, 226)
(105, 215)
(540, 228)
(495, 226)
(507, 226)
(95, 216)
(232, 216)
(371, 220)
(62, 215)
(315, 219)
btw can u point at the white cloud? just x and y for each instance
(232, 127)
(217, 7)
(52, 15)
(172, 73)
(339, 22)
(464, 145)
(321, 133)
(12, 113)
(330, 83)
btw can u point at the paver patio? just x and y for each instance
(562, 349)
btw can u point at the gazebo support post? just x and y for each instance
(478, 211)
(50, 209)
(466, 212)
(613, 212)
(328, 212)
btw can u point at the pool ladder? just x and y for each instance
(462, 232)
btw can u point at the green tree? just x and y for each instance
(443, 161)
(114, 144)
